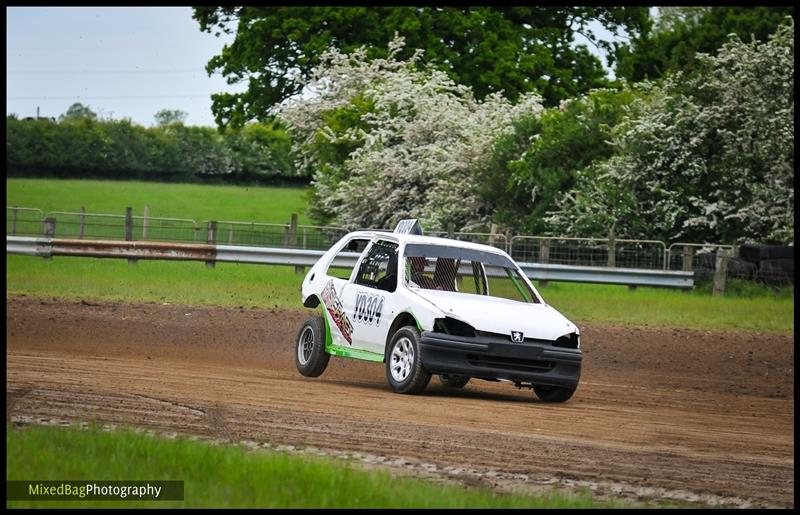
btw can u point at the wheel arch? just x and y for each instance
(402, 319)
(313, 301)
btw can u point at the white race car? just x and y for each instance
(424, 305)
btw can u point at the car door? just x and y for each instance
(367, 297)
(337, 278)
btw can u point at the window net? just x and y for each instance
(431, 267)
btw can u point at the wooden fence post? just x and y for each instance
(612, 249)
(128, 224)
(212, 239)
(292, 241)
(688, 258)
(292, 237)
(493, 234)
(144, 222)
(83, 223)
(544, 258)
(49, 230)
(721, 272)
(49, 227)
(129, 230)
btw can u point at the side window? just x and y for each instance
(474, 282)
(354, 246)
(379, 267)
(440, 273)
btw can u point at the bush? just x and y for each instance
(83, 146)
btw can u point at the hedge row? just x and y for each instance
(119, 149)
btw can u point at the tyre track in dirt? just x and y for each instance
(708, 412)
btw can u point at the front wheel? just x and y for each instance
(547, 393)
(404, 370)
(310, 356)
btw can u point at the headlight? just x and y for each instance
(569, 341)
(452, 326)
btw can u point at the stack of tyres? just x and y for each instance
(772, 265)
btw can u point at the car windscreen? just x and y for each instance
(468, 271)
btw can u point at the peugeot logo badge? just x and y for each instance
(517, 336)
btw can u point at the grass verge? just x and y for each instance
(265, 286)
(671, 308)
(196, 201)
(226, 476)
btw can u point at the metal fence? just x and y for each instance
(211, 254)
(700, 258)
(620, 253)
(704, 259)
(691, 256)
(21, 221)
(258, 234)
(498, 240)
(103, 226)
(24, 221)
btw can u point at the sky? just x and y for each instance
(122, 62)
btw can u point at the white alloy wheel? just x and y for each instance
(305, 344)
(310, 357)
(402, 359)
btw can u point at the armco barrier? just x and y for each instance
(48, 247)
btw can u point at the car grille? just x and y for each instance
(531, 365)
(507, 338)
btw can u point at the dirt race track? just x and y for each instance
(660, 413)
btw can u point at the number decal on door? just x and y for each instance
(369, 308)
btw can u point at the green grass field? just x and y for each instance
(226, 476)
(749, 308)
(196, 201)
(279, 286)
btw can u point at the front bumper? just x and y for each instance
(494, 358)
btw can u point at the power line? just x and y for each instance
(79, 97)
(75, 72)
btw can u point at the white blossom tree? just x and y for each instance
(707, 157)
(388, 140)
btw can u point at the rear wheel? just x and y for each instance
(453, 381)
(310, 356)
(404, 370)
(547, 393)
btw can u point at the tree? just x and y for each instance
(679, 33)
(512, 50)
(707, 156)
(390, 141)
(542, 157)
(78, 111)
(170, 116)
(260, 151)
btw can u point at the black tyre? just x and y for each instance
(404, 370)
(310, 355)
(453, 381)
(547, 393)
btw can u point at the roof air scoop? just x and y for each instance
(408, 226)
